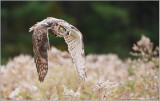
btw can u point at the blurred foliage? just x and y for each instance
(107, 27)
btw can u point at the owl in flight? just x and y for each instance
(60, 28)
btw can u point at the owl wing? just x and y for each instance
(40, 47)
(76, 49)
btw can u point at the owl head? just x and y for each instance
(60, 30)
(57, 27)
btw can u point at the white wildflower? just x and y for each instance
(121, 82)
(104, 87)
(34, 88)
(130, 78)
(155, 77)
(14, 93)
(155, 84)
(70, 93)
(101, 85)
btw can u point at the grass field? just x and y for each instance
(108, 77)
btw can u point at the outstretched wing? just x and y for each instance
(76, 49)
(40, 47)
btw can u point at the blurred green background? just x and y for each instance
(107, 27)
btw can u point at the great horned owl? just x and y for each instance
(59, 28)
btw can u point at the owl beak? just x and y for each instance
(68, 32)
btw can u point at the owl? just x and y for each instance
(60, 28)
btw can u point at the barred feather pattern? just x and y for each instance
(76, 49)
(40, 47)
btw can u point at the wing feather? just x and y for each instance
(76, 49)
(40, 47)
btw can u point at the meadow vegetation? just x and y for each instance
(108, 77)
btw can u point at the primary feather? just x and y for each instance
(76, 49)
(40, 47)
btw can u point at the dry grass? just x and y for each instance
(108, 77)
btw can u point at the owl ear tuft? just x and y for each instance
(32, 28)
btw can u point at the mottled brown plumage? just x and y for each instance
(59, 28)
(40, 47)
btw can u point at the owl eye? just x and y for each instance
(62, 29)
